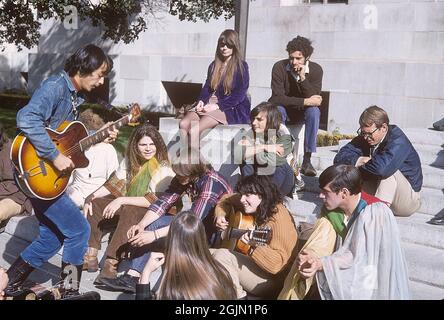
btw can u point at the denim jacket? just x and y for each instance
(51, 104)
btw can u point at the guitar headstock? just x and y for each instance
(261, 236)
(134, 113)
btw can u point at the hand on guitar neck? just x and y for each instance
(112, 132)
(247, 236)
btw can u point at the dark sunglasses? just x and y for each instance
(222, 44)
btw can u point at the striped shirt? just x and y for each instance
(204, 193)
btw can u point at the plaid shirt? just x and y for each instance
(205, 193)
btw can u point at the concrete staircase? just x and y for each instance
(423, 243)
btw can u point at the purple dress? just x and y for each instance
(236, 105)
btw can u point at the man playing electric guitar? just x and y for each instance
(61, 221)
(263, 270)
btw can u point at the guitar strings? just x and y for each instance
(76, 148)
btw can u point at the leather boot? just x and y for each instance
(71, 276)
(108, 271)
(17, 274)
(90, 261)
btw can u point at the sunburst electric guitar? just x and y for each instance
(37, 177)
(238, 224)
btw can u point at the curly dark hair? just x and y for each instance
(300, 44)
(262, 186)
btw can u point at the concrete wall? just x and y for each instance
(389, 53)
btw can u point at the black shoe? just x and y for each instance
(439, 125)
(437, 220)
(307, 169)
(125, 283)
(17, 274)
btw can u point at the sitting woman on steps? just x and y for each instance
(262, 270)
(223, 98)
(123, 200)
(266, 150)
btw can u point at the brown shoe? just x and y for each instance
(108, 271)
(90, 261)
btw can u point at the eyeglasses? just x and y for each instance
(223, 44)
(366, 134)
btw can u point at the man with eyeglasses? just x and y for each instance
(389, 164)
(296, 84)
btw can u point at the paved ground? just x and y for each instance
(48, 275)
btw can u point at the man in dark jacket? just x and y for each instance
(296, 85)
(389, 164)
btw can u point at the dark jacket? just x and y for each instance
(236, 105)
(395, 152)
(287, 92)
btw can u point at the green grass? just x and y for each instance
(7, 118)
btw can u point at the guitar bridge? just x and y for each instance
(42, 171)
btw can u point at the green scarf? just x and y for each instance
(336, 218)
(138, 186)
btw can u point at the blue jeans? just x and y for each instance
(283, 176)
(311, 116)
(143, 253)
(61, 223)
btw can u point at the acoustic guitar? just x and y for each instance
(37, 177)
(238, 225)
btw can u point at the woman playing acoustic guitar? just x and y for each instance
(262, 271)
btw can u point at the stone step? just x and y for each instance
(421, 136)
(425, 264)
(433, 177)
(430, 154)
(423, 291)
(432, 201)
(23, 227)
(415, 229)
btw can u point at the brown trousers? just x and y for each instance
(123, 219)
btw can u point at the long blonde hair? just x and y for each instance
(231, 38)
(191, 272)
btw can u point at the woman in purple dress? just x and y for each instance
(223, 99)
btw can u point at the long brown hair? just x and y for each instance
(231, 38)
(134, 159)
(191, 272)
(274, 117)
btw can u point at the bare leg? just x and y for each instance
(205, 124)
